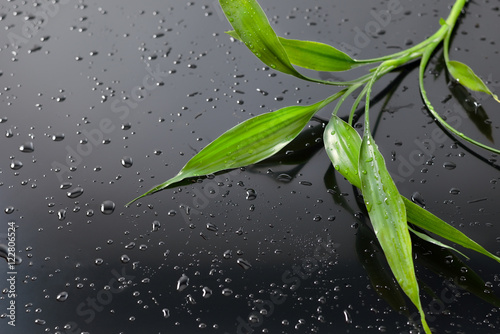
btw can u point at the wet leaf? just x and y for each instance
(388, 217)
(466, 77)
(342, 144)
(248, 142)
(314, 55)
(428, 221)
(252, 26)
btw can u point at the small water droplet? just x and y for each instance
(454, 191)
(212, 227)
(107, 207)
(125, 258)
(8, 210)
(166, 313)
(244, 263)
(62, 296)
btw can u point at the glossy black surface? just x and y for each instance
(116, 96)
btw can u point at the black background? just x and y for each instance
(85, 72)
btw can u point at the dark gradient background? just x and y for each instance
(137, 88)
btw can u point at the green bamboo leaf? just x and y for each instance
(253, 28)
(428, 221)
(342, 144)
(248, 142)
(314, 55)
(466, 76)
(388, 216)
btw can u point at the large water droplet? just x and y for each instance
(207, 292)
(75, 192)
(16, 164)
(182, 283)
(449, 165)
(107, 207)
(251, 195)
(127, 162)
(27, 147)
(418, 198)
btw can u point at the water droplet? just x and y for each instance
(8, 210)
(127, 162)
(212, 227)
(156, 226)
(27, 147)
(16, 164)
(228, 254)
(98, 261)
(40, 322)
(182, 283)
(58, 136)
(454, 191)
(62, 296)
(244, 263)
(449, 165)
(251, 195)
(207, 292)
(107, 207)
(75, 192)
(347, 317)
(61, 214)
(284, 178)
(124, 258)
(227, 292)
(418, 198)
(166, 313)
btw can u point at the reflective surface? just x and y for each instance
(101, 101)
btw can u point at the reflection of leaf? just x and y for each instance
(371, 257)
(474, 110)
(447, 264)
(466, 76)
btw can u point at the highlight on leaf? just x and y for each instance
(466, 76)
